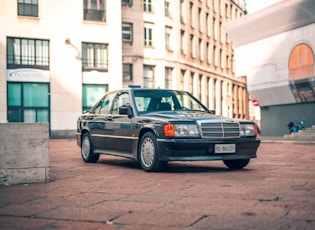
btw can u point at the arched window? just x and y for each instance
(301, 63)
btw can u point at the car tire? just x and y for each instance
(149, 154)
(236, 164)
(87, 151)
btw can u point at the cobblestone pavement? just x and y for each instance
(275, 191)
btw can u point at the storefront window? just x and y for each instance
(28, 102)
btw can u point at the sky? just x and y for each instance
(255, 5)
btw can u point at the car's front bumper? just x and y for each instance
(203, 149)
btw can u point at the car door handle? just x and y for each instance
(109, 118)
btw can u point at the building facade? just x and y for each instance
(275, 51)
(182, 45)
(58, 57)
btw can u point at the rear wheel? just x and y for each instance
(149, 154)
(236, 164)
(87, 151)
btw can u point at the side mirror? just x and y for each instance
(125, 110)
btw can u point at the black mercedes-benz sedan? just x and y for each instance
(154, 126)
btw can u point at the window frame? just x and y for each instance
(148, 76)
(129, 73)
(125, 32)
(148, 6)
(168, 77)
(22, 107)
(94, 63)
(183, 42)
(126, 2)
(27, 55)
(22, 8)
(148, 35)
(168, 38)
(98, 14)
(167, 9)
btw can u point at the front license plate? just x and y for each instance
(224, 148)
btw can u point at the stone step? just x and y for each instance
(308, 133)
(294, 136)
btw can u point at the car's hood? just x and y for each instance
(184, 116)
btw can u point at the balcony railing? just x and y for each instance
(95, 15)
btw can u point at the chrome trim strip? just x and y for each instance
(113, 136)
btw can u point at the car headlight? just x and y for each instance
(181, 130)
(248, 130)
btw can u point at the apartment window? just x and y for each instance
(95, 56)
(27, 53)
(127, 32)
(232, 64)
(28, 102)
(208, 53)
(222, 33)
(222, 59)
(192, 46)
(191, 14)
(181, 79)
(167, 9)
(147, 6)
(182, 12)
(148, 76)
(228, 65)
(94, 10)
(90, 95)
(201, 49)
(148, 34)
(182, 42)
(207, 25)
(28, 8)
(127, 72)
(214, 26)
(126, 2)
(168, 38)
(200, 24)
(168, 77)
(214, 58)
(191, 83)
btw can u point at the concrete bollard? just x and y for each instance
(24, 153)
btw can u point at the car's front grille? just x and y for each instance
(220, 129)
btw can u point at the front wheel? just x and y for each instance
(87, 151)
(149, 154)
(236, 164)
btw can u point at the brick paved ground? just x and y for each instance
(275, 191)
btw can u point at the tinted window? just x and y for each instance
(106, 104)
(120, 100)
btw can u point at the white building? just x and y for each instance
(56, 59)
(275, 51)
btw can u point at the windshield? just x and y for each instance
(166, 100)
